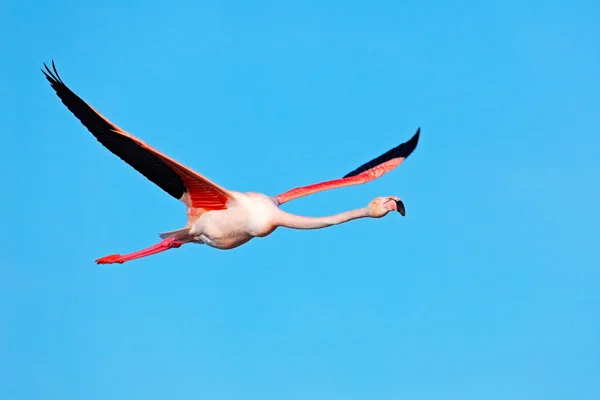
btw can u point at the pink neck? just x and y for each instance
(299, 222)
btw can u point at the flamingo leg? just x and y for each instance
(170, 243)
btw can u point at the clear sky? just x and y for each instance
(489, 288)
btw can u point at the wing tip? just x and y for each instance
(52, 74)
(411, 145)
(403, 150)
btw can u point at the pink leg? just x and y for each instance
(170, 243)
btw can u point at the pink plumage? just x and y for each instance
(222, 218)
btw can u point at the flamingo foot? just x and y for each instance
(114, 258)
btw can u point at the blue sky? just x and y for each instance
(488, 288)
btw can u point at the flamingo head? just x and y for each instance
(383, 205)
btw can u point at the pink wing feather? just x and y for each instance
(365, 173)
(173, 177)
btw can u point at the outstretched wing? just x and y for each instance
(174, 178)
(365, 173)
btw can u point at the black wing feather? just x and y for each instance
(141, 159)
(402, 150)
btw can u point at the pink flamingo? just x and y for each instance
(221, 218)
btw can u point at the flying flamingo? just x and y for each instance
(221, 218)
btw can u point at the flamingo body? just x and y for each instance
(248, 215)
(222, 218)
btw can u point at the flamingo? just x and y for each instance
(221, 218)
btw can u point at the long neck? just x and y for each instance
(299, 222)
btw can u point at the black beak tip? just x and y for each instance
(400, 207)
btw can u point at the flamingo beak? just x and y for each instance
(400, 207)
